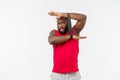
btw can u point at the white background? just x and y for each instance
(25, 53)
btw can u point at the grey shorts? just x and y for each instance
(67, 76)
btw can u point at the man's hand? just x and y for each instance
(79, 37)
(57, 14)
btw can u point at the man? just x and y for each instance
(65, 47)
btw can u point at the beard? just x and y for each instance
(63, 31)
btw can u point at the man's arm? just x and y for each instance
(53, 39)
(81, 19)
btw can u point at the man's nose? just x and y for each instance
(60, 25)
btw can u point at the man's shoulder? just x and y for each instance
(54, 31)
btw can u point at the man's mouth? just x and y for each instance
(62, 30)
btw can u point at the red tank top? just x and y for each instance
(65, 55)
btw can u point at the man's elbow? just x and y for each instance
(51, 42)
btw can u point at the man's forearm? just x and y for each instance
(75, 16)
(58, 39)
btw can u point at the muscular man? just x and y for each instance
(65, 48)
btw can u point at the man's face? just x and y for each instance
(62, 25)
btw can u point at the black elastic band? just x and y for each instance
(69, 25)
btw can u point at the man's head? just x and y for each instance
(62, 25)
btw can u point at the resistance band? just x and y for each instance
(69, 25)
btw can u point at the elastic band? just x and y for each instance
(69, 25)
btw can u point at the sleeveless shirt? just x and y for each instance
(65, 55)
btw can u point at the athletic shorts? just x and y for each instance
(66, 76)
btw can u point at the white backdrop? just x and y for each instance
(25, 53)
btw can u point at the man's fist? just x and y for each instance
(57, 14)
(79, 37)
